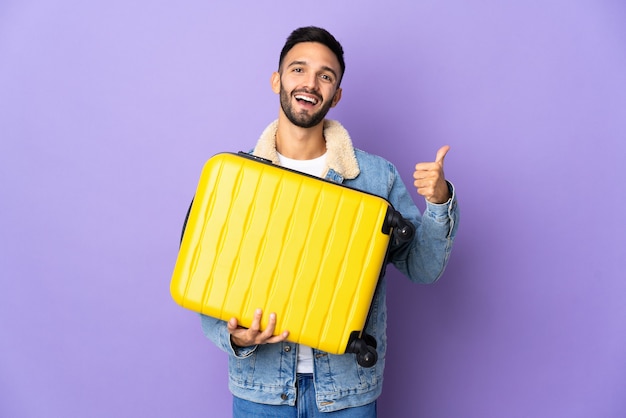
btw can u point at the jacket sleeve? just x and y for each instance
(424, 259)
(215, 330)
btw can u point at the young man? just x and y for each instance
(268, 375)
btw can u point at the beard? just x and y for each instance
(302, 119)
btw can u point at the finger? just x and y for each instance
(423, 184)
(232, 325)
(441, 154)
(256, 320)
(425, 171)
(278, 338)
(426, 167)
(271, 326)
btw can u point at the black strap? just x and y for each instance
(182, 233)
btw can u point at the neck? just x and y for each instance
(300, 143)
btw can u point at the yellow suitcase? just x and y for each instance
(263, 236)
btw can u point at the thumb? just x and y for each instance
(232, 324)
(441, 153)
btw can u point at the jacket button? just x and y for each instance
(287, 349)
(284, 397)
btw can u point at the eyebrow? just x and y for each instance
(324, 67)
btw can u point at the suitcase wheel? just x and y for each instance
(365, 349)
(403, 230)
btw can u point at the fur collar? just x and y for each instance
(340, 151)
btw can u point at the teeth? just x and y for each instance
(306, 99)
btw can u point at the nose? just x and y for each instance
(311, 81)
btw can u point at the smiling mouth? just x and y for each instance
(306, 99)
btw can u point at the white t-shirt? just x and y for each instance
(314, 167)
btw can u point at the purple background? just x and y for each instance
(109, 109)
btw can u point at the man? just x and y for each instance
(268, 375)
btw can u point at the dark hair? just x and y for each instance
(314, 34)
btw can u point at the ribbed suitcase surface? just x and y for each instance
(261, 236)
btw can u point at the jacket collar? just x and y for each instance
(340, 156)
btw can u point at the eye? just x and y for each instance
(326, 77)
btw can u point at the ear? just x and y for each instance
(336, 97)
(275, 82)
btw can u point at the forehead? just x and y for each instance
(313, 54)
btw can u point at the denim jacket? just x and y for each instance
(267, 373)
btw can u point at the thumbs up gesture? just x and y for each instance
(430, 180)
